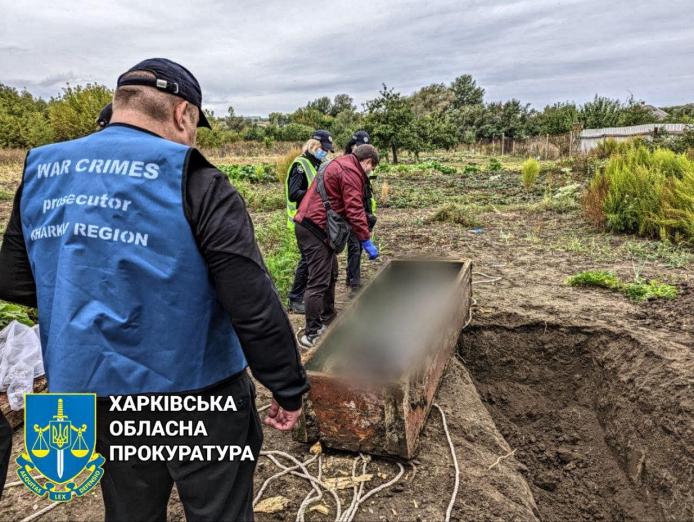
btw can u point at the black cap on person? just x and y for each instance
(361, 137)
(325, 138)
(169, 77)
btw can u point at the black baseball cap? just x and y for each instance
(169, 77)
(105, 116)
(361, 137)
(325, 138)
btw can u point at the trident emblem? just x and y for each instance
(60, 436)
(54, 431)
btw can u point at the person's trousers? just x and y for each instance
(296, 293)
(5, 449)
(211, 490)
(319, 299)
(353, 261)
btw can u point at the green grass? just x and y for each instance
(638, 290)
(280, 251)
(660, 251)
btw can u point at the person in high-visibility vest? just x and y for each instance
(353, 245)
(299, 177)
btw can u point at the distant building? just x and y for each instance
(590, 138)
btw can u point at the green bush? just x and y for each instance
(637, 290)
(74, 114)
(648, 192)
(471, 168)
(530, 169)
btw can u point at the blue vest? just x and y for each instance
(125, 300)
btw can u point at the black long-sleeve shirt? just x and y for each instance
(225, 236)
(298, 185)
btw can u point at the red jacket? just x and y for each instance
(344, 181)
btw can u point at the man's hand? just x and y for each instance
(281, 419)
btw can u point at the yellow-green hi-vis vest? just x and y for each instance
(310, 173)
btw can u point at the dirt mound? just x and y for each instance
(601, 423)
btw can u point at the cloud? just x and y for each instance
(275, 55)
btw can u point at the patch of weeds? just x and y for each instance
(261, 198)
(562, 201)
(572, 244)
(665, 252)
(644, 291)
(280, 251)
(494, 165)
(262, 173)
(435, 165)
(466, 216)
(6, 196)
(599, 278)
(637, 290)
(471, 168)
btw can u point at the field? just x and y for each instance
(564, 403)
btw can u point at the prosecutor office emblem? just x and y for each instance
(59, 445)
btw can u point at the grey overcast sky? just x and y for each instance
(276, 55)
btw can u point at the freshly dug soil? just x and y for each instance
(603, 429)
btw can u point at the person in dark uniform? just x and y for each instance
(354, 247)
(299, 177)
(167, 294)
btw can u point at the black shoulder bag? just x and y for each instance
(338, 229)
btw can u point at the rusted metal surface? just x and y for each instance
(383, 418)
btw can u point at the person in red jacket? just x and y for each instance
(344, 179)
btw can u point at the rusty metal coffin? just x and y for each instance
(397, 337)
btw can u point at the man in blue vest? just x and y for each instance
(142, 260)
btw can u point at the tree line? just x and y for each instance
(434, 117)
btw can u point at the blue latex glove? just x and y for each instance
(370, 249)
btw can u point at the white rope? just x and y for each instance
(489, 280)
(455, 463)
(310, 498)
(382, 486)
(315, 483)
(41, 512)
(259, 495)
(357, 490)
